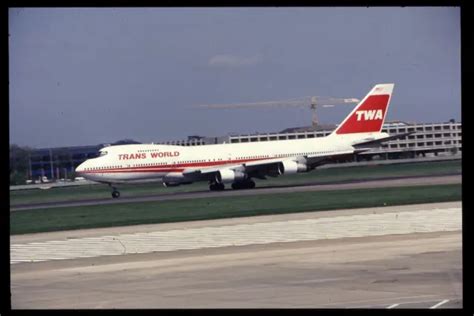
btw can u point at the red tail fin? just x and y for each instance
(369, 114)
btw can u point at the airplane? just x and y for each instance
(238, 163)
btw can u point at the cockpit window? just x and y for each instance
(102, 153)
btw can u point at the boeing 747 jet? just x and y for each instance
(237, 164)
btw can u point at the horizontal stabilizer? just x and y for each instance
(381, 140)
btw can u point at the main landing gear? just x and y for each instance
(248, 184)
(243, 185)
(115, 192)
(216, 186)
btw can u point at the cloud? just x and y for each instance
(226, 60)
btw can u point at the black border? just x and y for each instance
(467, 54)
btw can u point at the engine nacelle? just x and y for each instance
(171, 184)
(291, 167)
(174, 184)
(174, 179)
(228, 176)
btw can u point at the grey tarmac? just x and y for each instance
(418, 270)
(375, 272)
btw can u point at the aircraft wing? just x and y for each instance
(242, 167)
(267, 167)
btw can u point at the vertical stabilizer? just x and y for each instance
(368, 116)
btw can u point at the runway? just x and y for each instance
(397, 257)
(356, 184)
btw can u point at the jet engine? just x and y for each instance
(171, 184)
(291, 167)
(174, 179)
(228, 176)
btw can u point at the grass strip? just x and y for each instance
(57, 219)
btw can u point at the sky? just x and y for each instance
(84, 76)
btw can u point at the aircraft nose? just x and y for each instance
(80, 169)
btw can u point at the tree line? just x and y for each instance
(19, 164)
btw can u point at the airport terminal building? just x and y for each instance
(428, 138)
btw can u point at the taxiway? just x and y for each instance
(387, 257)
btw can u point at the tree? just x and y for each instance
(125, 142)
(19, 164)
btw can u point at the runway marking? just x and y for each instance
(347, 226)
(439, 304)
(321, 280)
(405, 302)
(376, 301)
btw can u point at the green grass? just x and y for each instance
(370, 172)
(69, 218)
(315, 176)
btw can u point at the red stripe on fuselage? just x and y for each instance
(171, 167)
(135, 170)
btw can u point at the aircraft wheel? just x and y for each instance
(243, 185)
(236, 186)
(115, 194)
(216, 187)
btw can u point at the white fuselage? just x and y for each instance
(124, 163)
(239, 163)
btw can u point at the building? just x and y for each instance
(60, 162)
(427, 138)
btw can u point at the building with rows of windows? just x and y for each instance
(427, 138)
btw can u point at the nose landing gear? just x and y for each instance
(115, 192)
